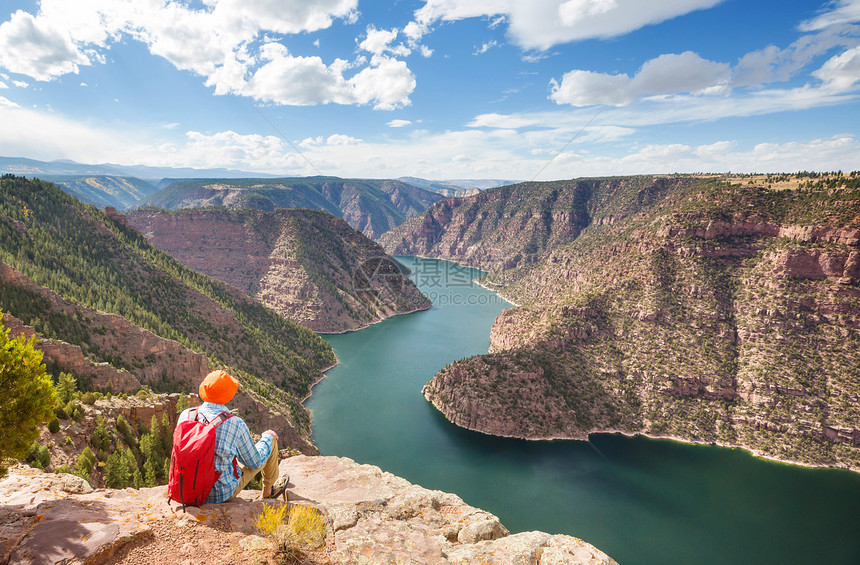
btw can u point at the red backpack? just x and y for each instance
(192, 461)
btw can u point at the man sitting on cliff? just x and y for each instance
(237, 458)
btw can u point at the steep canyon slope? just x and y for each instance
(370, 206)
(307, 265)
(715, 311)
(83, 277)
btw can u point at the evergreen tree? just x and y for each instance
(28, 396)
(67, 386)
(150, 476)
(182, 403)
(117, 474)
(101, 439)
(85, 464)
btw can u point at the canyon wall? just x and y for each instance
(685, 307)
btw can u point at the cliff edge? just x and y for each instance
(371, 517)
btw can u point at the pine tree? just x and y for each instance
(101, 439)
(28, 396)
(116, 471)
(85, 463)
(150, 476)
(67, 386)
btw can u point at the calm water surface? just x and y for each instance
(642, 501)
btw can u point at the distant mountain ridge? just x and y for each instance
(714, 310)
(456, 187)
(370, 206)
(307, 265)
(33, 167)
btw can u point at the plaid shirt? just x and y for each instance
(232, 439)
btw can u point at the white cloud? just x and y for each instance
(3, 85)
(774, 64)
(669, 73)
(842, 71)
(21, 84)
(540, 24)
(386, 83)
(847, 11)
(6, 103)
(426, 52)
(340, 139)
(486, 47)
(217, 41)
(37, 48)
(473, 153)
(502, 121)
(398, 123)
(378, 41)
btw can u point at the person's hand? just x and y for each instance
(271, 433)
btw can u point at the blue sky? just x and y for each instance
(513, 89)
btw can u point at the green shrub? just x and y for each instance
(39, 456)
(54, 426)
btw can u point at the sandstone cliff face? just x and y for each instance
(711, 313)
(514, 226)
(370, 206)
(305, 265)
(371, 517)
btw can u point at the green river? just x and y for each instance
(642, 501)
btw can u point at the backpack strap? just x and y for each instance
(222, 417)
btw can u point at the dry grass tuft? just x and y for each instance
(303, 530)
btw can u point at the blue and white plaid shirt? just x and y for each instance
(232, 439)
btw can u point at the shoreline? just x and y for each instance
(337, 361)
(752, 451)
(499, 294)
(474, 280)
(365, 326)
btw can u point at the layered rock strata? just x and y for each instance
(686, 308)
(308, 266)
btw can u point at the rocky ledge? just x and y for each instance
(372, 517)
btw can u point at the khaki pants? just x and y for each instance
(269, 470)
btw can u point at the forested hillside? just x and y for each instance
(95, 261)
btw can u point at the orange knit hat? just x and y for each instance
(218, 387)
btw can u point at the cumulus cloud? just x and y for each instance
(541, 24)
(378, 42)
(37, 48)
(398, 123)
(219, 42)
(3, 85)
(669, 73)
